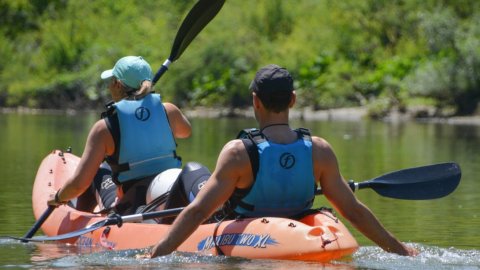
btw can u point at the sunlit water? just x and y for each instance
(62, 256)
(446, 230)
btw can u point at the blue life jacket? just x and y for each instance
(144, 142)
(284, 184)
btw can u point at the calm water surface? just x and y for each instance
(446, 231)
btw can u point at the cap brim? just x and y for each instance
(107, 74)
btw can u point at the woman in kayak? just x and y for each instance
(136, 137)
(290, 163)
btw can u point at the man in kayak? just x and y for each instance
(285, 179)
(136, 137)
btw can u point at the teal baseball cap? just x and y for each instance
(130, 70)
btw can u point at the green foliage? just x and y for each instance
(341, 53)
(450, 70)
(273, 20)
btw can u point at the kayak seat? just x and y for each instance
(184, 190)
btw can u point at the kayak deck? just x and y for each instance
(319, 236)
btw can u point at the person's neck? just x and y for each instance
(279, 133)
(272, 125)
(117, 95)
(266, 119)
(276, 128)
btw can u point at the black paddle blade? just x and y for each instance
(419, 183)
(198, 17)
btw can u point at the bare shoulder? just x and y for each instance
(100, 137)
(99, 128)
(234, 164)
(170, 107)
(322, 150)
(233, 156)
(235, 150)
(321, 144)
(178, 121)
(325, 162)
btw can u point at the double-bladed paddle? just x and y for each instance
(419, 183)
(197, 18)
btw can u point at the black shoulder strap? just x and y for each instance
(109, 108)
(252, 151)
(304, 133)
(246, 133)
(250, 138)
(111, 120)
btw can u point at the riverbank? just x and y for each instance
(307, 114)
(341, 114)
(345, 114)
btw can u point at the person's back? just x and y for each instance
(136, 135)
(144, 142)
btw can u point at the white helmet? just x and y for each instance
(162, 183)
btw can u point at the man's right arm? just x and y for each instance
(341, 197)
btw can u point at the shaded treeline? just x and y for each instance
(384, 54)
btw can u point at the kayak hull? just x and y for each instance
(316, 237)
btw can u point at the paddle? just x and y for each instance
(112, 220)
(419, 183)
(39, 222)
(197, 18)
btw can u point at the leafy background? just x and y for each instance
(387, 55)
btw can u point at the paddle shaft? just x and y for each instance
(39, 222)
(353, 186)
(197, 18)
(158, 214)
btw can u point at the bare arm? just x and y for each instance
(217, 190)
(344, 201)
(179, 123)
(99, 142)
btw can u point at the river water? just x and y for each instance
(446, 230)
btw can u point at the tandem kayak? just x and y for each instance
(319, 236)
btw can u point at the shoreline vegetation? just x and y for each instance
(307, 114)
(386, 56)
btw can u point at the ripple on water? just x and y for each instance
(434, 258)
(128, 258)
(178, 260)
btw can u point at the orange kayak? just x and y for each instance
(316, 237)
